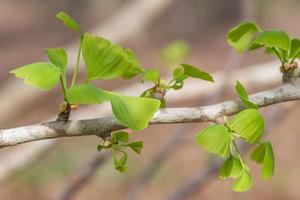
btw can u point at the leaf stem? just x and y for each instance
(64, 87)
(77, 62)
(278, 55)
(238, 152)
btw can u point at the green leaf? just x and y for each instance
(276, 39)
(244, 182)
(134, 112)
(264, 155)
(231, 168)
(68, 21)
(178, 73)
(100, 147)
(248, 124)
(136, 146)
(243, 94)
(86, 93)
(59, 57)
(194, 72)
(42, 75)
(105, 60)
(120, 164)
(215, 139)
(175, 53)
(120, 136)
(240, 36)
(151, 75)
(295, 49)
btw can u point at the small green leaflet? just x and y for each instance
(244, 182)
(231, 168)
(276, 39)
(105, 60)
(240, 36)
(120, 164)
(295, 49)
(178, 74)
(59, 57)
(86, 93)
(136, 146)
(42, 75)
(120, 136)
(215, 139)
(134, 112)
(151, 75)
(241, 91)
(248, 124)
(68, 21)
(264, 155)
(194, 72)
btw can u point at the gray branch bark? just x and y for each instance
(102, 126)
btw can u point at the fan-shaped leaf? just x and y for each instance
(240, 36)
(151, 75)
(136, 146)
(105, 60)
(215, 139)
(264, 155)
(295, 48)
(42, 75)
(134, 112)
(86, 94)
(277, 39)
(59, 57)
(231, 168)
(244, 182)
(194, 72)
(248, 124)
(243, 94)
(120, 136)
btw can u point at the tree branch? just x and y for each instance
(102, 126)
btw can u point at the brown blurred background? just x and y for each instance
(44, 171)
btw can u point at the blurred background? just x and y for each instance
(171, 165)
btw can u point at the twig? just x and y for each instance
(100, 126)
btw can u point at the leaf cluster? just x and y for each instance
(118, 143)
(103, 61)
(249, 36)
(220, 139)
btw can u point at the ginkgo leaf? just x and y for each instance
(248, 124)
(105, 60)
(295, 48)
(136, 146)
(86, 93)
(264, 155)
(151, 75)
(120, 136)
(59, 57)
(240, 36)
(231, 168)
(68, 21)
(194, 72)
(215, 139)
(244, 182)
(276, 39)
(134, 112)
(42, 75)
(243, 94)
